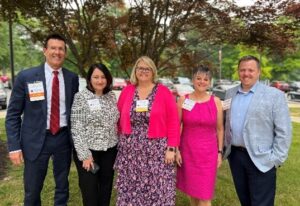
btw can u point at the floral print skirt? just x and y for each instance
(143, 177)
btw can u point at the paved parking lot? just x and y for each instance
(292, 104)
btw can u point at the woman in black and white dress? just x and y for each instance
(94, 131)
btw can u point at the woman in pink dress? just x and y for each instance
(200, 151)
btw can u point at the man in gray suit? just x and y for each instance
(257, 135)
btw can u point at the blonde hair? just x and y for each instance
(150, 63)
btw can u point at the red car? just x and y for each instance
(4, 78)
(283, 86)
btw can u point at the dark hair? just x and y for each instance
(57, 37)
(106, 73)
(202, 69)
(248, 58)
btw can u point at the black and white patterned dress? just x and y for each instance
(143, 177)
(94, 129)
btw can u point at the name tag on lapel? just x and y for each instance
(36, 91)
(94, 104)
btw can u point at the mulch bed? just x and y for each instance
(3, 159)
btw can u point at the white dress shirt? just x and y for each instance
(62, 97)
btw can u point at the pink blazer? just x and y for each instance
(164, 119)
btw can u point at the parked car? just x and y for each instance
(118, 83)
(168, 83)
(183, 89)
(294, 86)
(128, 82)
(3, 97)
(6, 81)
(4, 78)
(221, 82)
(283, 86)
(293, 95)
(220, 90)
(182, 80)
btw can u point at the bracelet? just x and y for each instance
(220, 152)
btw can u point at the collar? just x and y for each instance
(252, 89)
(49, 69)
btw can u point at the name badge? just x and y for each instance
(142, 105)
(188, 104)
(36, 91)
(226, 104)
(94, 104)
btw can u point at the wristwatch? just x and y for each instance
(171, 149)
(220, 152)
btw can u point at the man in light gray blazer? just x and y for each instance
(257, 135)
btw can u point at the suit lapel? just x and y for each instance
(40, 76)
(231, 94)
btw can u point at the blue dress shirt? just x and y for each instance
(239, 108)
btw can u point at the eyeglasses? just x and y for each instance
(144, 69)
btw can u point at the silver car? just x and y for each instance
(294, 95)
(3, 97)
(220, 90)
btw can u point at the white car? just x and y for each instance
(183, 89)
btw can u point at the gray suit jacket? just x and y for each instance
(267, 128)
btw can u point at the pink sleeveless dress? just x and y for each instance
(197, 175)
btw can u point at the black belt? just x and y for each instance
(242, 149)
(60, 130)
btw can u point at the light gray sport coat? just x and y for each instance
(267, 128)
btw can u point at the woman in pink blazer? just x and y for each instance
(149, 134)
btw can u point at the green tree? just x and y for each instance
(84, 24)
(178, 35)
(26, 54)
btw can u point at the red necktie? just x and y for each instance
(54, 116)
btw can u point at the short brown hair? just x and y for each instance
(204, 70)
(248, 58)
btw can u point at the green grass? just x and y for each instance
(288, 182)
